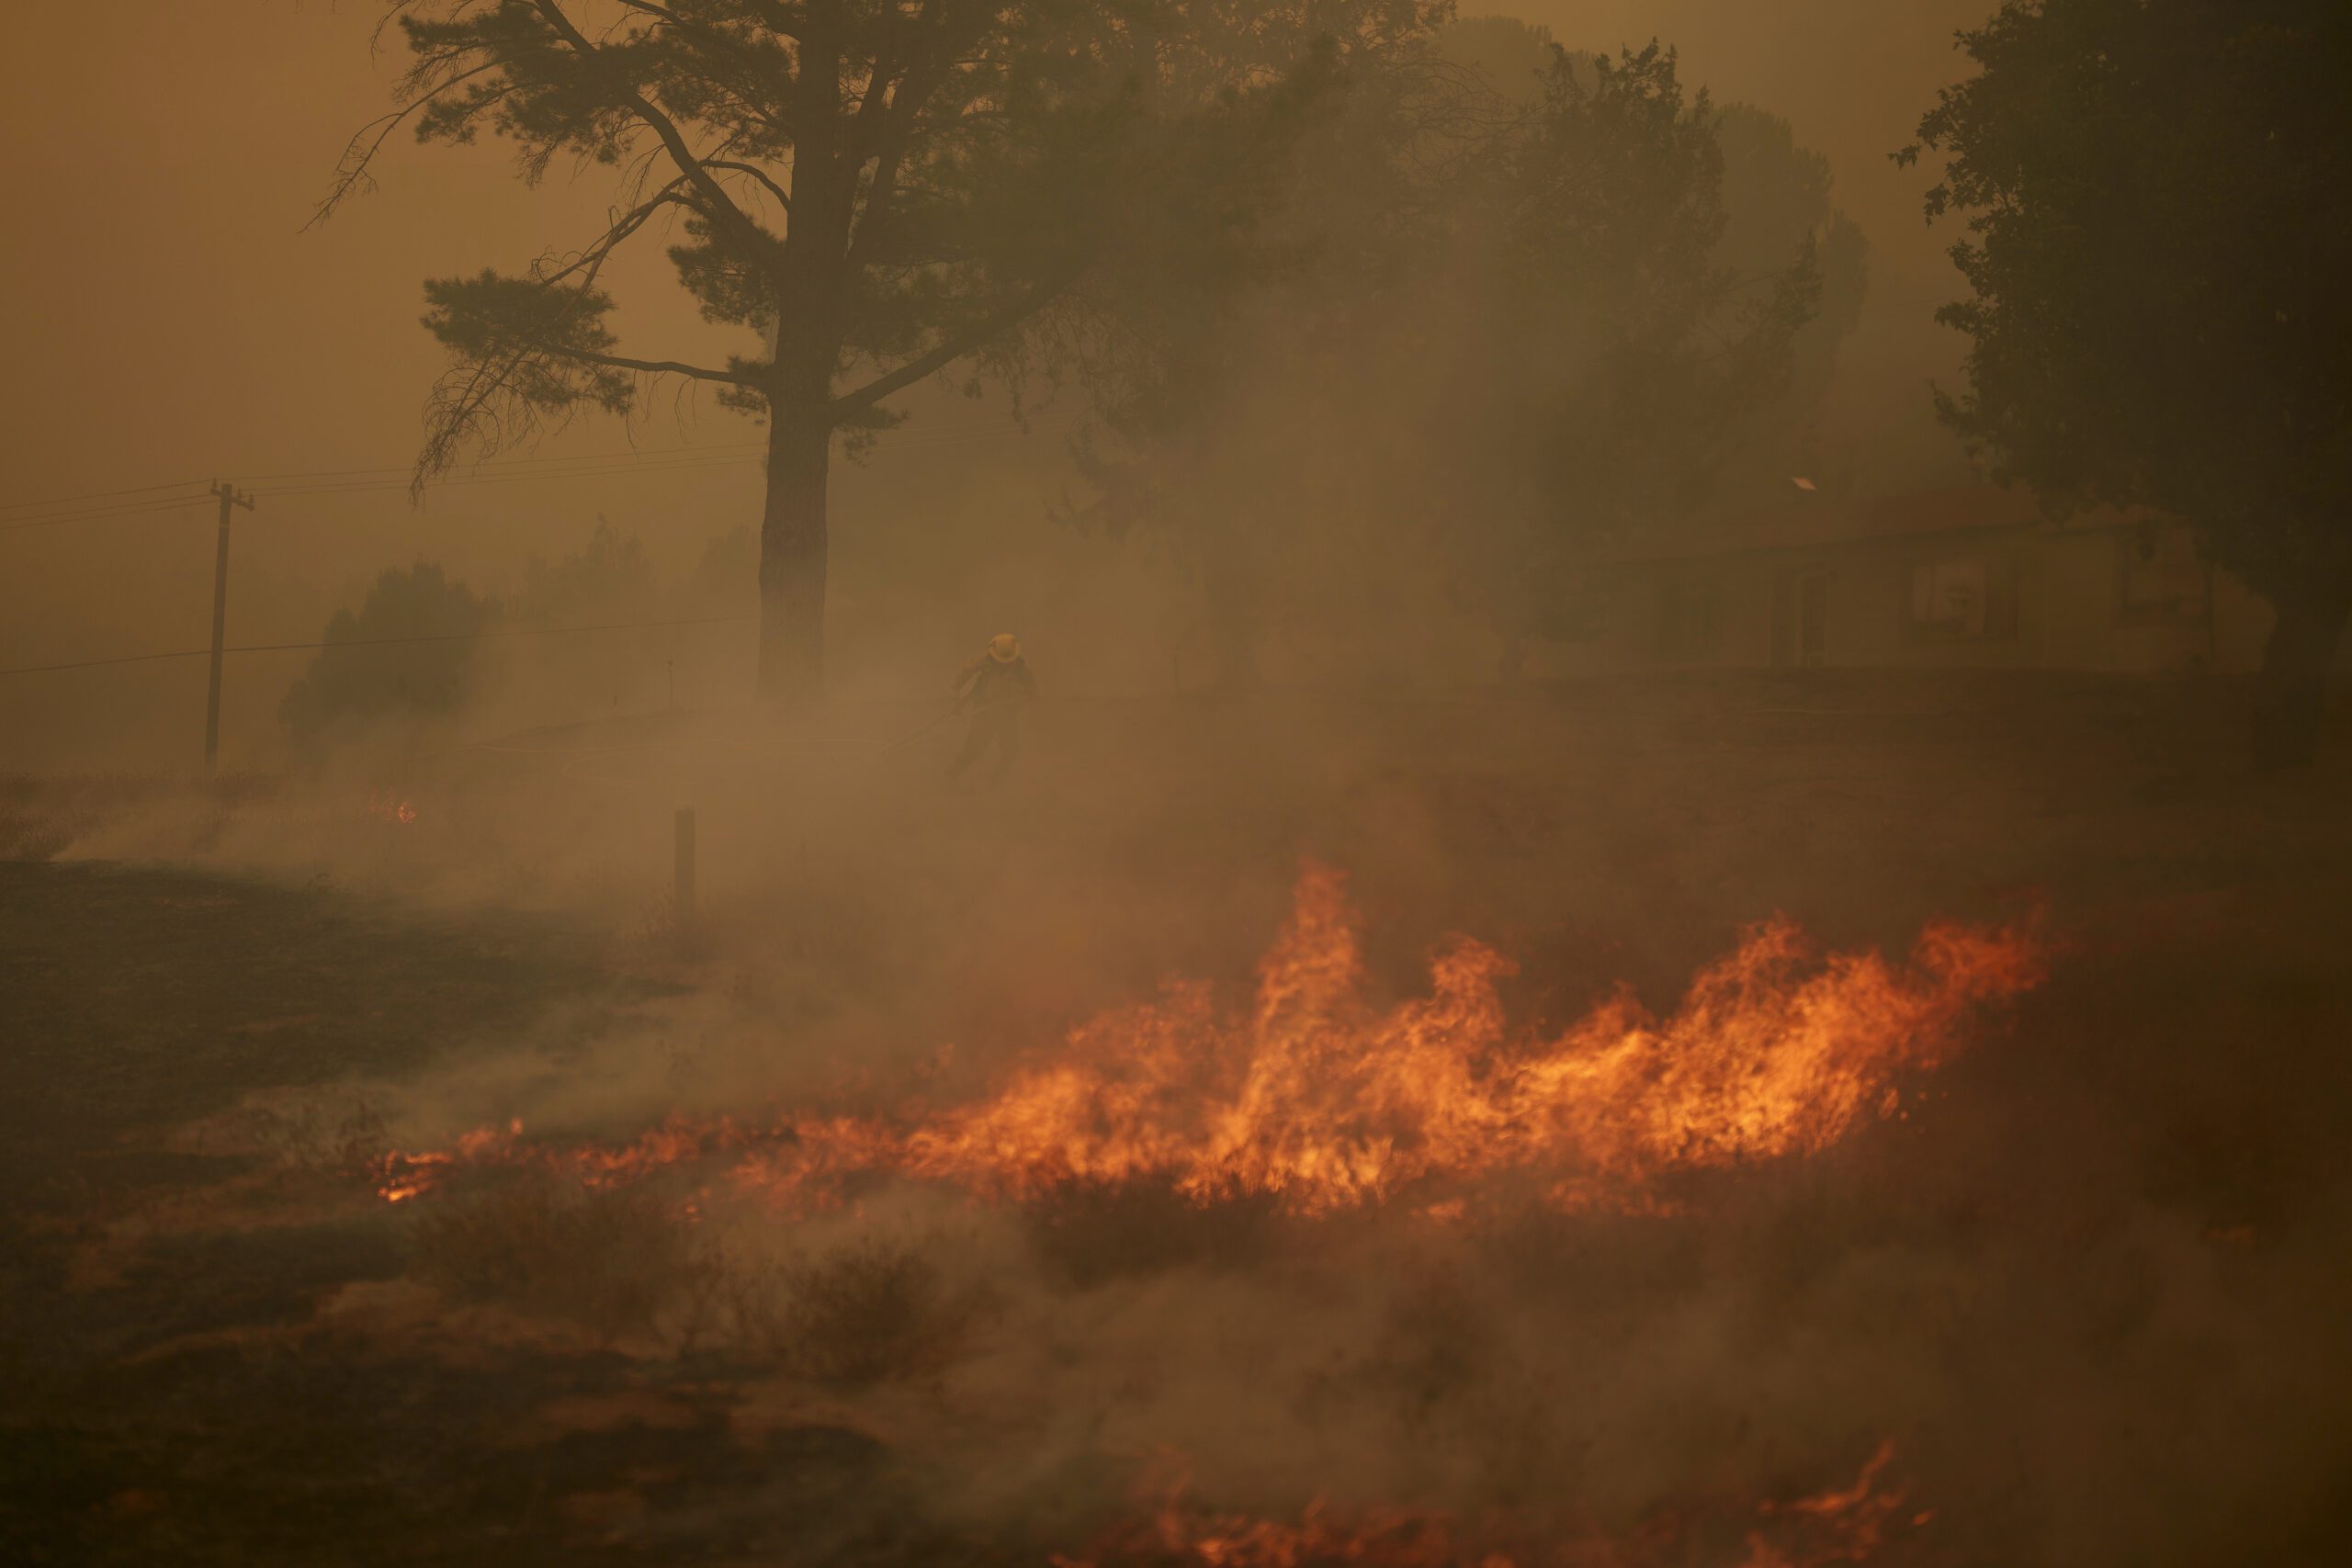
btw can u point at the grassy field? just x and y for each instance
(2094, 1288)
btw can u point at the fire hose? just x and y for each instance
(925, 728)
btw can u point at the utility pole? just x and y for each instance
(230, 500)
(682, 912)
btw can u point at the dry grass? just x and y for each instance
(1087, 1233)
(334, 1138)
(609, 1259)
(872, 1311)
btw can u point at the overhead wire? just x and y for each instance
(383, 641)
(27, 514)
(98, 495)
(350, 481)
(137, 510)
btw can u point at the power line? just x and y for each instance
(633, 455)
(364, 481)
(98, 495)
(334, 481)
(362, 485)
(104, 513)
(383, 642)
(588, 464)
(71, 508)
(76, 502)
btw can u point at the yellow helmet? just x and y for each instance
(1004, 647)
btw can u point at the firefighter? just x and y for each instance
(996, 687)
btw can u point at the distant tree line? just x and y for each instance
(1535, 306)
(1502, 305)
(1156, 202)
(413, 648)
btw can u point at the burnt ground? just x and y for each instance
(2111, 1260)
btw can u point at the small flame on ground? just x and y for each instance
(406, 1176)
(1319, 1100)
(392, 809)
(1846, 1525)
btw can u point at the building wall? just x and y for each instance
(2119, 599)
(2242, 622)
(1869, 592)
(2090, 599)
(2079, 574)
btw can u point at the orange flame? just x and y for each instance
(1847, 1525)
(1314, 1097)
(1844, 1525)
(1183, 1533)
(389, 808)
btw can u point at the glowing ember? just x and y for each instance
(1322, 1100)
(1387, 1537)
(406, 1176)
(1847, 1525)
(388, 808)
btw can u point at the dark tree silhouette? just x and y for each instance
(1630, 351)
(407, 652)
(885, 187)
(2158, 196)
(1521, 341)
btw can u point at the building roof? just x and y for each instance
(1810, 520)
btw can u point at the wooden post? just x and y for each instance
(228, 499)
(685, 894)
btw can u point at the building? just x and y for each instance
(1973, 577)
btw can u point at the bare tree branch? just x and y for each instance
(925, 69)
(655, 367)
(783, 196)
(723, 209)
(591, 260)
(352, 170)
(451, 415)
(1010, 314)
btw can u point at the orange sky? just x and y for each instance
(169, 317)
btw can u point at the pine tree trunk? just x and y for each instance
(792, 558)
(2295, 669)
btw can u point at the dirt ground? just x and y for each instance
(2091, 1290)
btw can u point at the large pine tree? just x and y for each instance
(878, 188)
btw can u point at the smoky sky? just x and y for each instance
(169, 317)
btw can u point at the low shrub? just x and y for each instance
(1087, 1233)
(609, 1259)
(868, 1312)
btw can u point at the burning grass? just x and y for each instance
(2096, 1294)
(1839, 1524)
(1314, 1099)
(865, 1313)
(607, 1259)
(1086, 1232)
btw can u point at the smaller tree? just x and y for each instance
(1619, 352)
(2158, 197)
(1515, 336)
(1778, 207)
(407, 652)
(609, 577)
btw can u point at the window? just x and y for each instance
(1963, 598)
(2161, 578)
(1948, 596)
